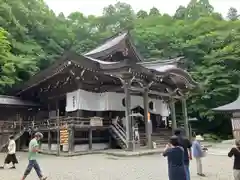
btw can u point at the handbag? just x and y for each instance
(204, 153)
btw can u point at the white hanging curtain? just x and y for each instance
(109, 101)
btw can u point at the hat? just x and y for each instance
(38, 134)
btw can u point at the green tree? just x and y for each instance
(232, 14)
(142, 14)
(32, 37)
(154, 12)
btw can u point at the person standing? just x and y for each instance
(32, 157)
(11, 155)
(186, 145)
(198, 153)
(235, 151)
(175, 157)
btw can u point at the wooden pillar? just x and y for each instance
(129, 126)
(90, 138)
(58, 129)
(110, 141)
(20, 129)
(173, 115)
(185, 117)
(79, 113)
(71, 139)
(49, 140)
(147, 121)
(79, 86)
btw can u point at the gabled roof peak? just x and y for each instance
(120, 42)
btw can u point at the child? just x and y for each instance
(235, 151)
(11, 156)
(198, 153)
(175, 157)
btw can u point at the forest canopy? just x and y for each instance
(32, 36)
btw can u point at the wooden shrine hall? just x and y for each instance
(88, 100)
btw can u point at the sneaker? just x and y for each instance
(1, 167)
(44, 178)
(13, 167)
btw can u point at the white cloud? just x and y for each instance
(95, 7)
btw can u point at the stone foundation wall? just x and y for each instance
(79, 147)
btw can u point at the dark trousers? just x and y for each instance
(33, 164)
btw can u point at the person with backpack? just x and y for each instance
(175, 157)
(185, 143)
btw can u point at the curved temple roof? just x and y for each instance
(231, 107)
(119, 42)
(160, 68)
(170, 67)
(107, 46)
(167, 70)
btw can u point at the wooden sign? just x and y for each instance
(96, 121)
(64, 136)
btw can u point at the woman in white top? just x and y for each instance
(11, 156)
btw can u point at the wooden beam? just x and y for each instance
(156, 93)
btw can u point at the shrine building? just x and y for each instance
(99, 100)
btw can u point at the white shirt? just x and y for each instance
(11, 147)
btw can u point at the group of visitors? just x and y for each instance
(32, 156)
(179, 152)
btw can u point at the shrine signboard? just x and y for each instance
(96, 121)
(64, 134)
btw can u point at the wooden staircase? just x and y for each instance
(119, 134)
(160, 136)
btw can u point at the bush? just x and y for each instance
(212, 137)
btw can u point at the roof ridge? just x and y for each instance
(105, 40)
(162, 61)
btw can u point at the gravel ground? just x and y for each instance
(102, 167)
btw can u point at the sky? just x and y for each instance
(95, 7)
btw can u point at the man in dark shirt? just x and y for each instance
(186, 144)
(235, 151)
